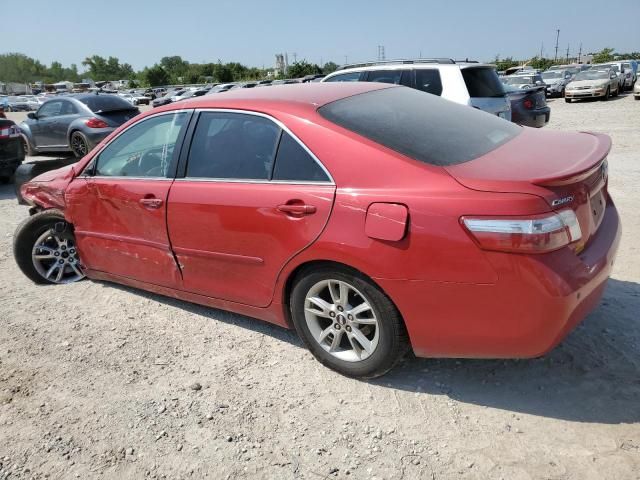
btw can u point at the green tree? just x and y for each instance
(603, 56)
(329, 67)
(176, 67)
(505, 63)
(156, 76)
(541, 63)
(302, 68)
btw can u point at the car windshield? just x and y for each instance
(424, 127)
(105, 103)
(592, 75)
(519, 80)
(552, 75)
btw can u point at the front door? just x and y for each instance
(43, 127)
(118, 205)
(251, 198)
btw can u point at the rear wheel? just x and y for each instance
(45, 249)
(607, 94)
(79, 144)
(28, 150)
(347, 322)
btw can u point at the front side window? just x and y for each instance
(144, 150)
(345, 77)
(233, 146)
(428, 80)
(294, 163)
(50, 109)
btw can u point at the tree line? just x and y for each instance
(603, 56)
(17, 67)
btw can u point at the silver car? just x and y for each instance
(593, 83)
(467, 83)
(556, 81)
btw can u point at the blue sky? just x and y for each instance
(140, 32)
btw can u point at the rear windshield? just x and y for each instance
(482, 82)
(421, 126)
(105, 103)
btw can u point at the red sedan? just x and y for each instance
(371, 218)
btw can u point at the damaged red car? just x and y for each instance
(371, 218)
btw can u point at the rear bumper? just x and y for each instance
(95, 136)
(533, 118)
(535, 303)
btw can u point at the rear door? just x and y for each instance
(486, 91)
(118, 205)
(252, 196)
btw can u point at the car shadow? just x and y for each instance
(7, 192)
(593, 376)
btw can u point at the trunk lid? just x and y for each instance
(568, 170)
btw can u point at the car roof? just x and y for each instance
(413, 66)
(301, 97)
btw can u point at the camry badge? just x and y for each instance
(562, 201)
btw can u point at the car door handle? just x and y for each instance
(151, 203)
(297, 209)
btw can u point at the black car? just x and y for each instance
(11, 151)
(528, 105)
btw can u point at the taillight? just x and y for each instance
(9, 132)
(528, 104)
(536, 234)
(95, 123)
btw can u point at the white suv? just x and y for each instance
(468, 83)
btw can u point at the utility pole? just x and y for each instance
(295, 57)
(567, 53)
(345, 60)
(555, 59)
(380, 53)
(580, 54)
(542, 50)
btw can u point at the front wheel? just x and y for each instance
(568, 100)
(347, 322)
(45, 249)
(607, 94)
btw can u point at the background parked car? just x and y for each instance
(473, 84)
(75, 123)
(630, 74)
(193, 93)
(11, 151)
(593, 83)
(221, 88)
(636, 91)
(166, 98)
(18, 104)
(524, 80)
(528, 105)
(556, 81)
(617, 68)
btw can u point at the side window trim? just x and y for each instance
(90, 169)
(189, 134)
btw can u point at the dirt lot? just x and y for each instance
(102, 381)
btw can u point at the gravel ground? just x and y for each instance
(103, 381)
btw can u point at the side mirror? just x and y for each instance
(32, 115)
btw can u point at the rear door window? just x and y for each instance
(345, 77)
(385, 76)
(482, 82)
(428, 80)
(106, 103)
(233, 146)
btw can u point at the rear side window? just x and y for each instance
(233, 146)
(482, 82)
(294, 163)
(428, 80)
(345, 77)
(106, 103)
(385, 76)
(424, 127)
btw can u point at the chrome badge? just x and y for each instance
(562, 201)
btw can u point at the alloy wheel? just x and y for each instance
(341, 320)
(55, 258)
(78, 145)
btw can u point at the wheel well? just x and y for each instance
(314, 264)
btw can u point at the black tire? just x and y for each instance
(26, 236)
(393, 340)
(636, 97)
(79, 144)
(607, 94)
(568, 100)
(28, 149)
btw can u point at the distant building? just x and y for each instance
(13, 88)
